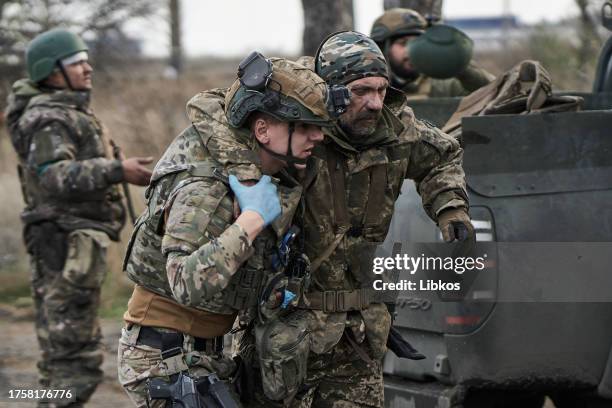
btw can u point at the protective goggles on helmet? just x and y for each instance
(255, 74)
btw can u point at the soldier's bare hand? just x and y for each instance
(134, 171)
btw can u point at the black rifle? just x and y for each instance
(185, 392)
(118, 155)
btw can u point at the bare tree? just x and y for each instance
(176, 52)
(321, 18)
(100, 21)
(425, 7)
(589, 36)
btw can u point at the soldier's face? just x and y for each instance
(78, 73)
(399, 57)
(365, 109)
(305, 138)
(275, 136)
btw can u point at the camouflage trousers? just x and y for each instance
(137, 363)
(67, 272)
(338, 378)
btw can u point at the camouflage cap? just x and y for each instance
(348, 55)
(397, 22)
(301, 96)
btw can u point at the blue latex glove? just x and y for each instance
(287, 298)
(261, 198)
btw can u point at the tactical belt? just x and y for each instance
(331, 301)
(167, 341)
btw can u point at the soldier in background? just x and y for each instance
(392, 32)
(73, 206)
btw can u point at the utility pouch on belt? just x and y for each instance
(283, 345)
(285, 287)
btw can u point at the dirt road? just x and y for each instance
(19, 353)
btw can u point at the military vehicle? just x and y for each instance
(538, 322)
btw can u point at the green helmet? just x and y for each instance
(397, 22)
(441, 52)
(281, 88)
(348, 55)
(46, 49)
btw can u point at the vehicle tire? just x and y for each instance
(503, 399)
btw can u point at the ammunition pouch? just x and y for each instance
(283, 345)
(244, 288)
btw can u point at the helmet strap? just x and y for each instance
(287, 158)
(291, 129)
(64, 74)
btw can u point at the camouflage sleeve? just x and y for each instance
(474, 77)
(52, 156)
(203, 246)
(463, 84)
(435, 165)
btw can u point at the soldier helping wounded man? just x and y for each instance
(197, 266)
(212, 241)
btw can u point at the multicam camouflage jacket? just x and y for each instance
(425, 87)
(186, 246)
(65, 169)
(364, 185)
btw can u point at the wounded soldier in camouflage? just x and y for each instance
(73, 206)
(201, 251)
(377, 144)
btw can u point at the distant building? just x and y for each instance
(491, 33)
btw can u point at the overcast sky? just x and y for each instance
(236, 27)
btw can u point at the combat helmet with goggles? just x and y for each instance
(286, 91)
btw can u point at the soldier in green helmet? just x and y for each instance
(204, 248)
(73, 207)
(376, 144)
(393, 32)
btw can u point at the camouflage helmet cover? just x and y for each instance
(347, 56)
(397, 22)
(47, 48)
(302, 96)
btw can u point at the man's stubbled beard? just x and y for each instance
(407, 74)
(357, 128)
